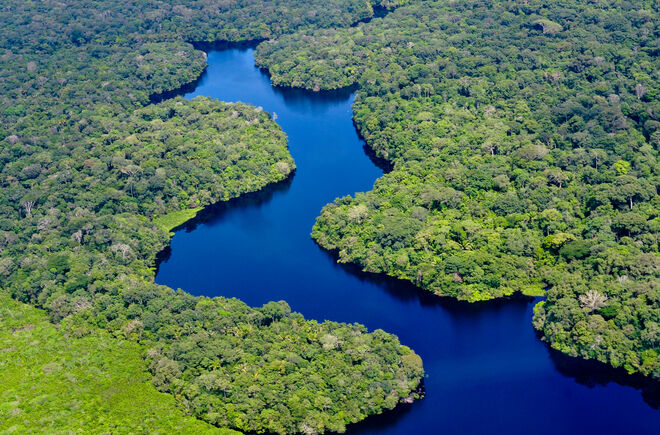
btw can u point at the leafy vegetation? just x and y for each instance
(524, 138)
(254, 369)
(54, 379)
(93, 179)
(177, 218)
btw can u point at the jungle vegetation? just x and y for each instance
(524, 141)
(93, 178)
(55, 379)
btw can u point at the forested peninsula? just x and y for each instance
(94, 177)
(524, 143)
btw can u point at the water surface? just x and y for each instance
(487, 371)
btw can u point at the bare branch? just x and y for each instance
(593, 300)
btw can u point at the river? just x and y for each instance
(486, 369)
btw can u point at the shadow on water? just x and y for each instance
(383, 421)
(159, 97)
(384, 165)
(207, 46)
(216, 212)
(300, 96)
(406, 291)
(386, 419)
(379, 12)
(593, 374)
(204, 46)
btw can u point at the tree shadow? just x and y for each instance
(591, 373)
(406, 291)
(385, 420)
(379, 12)
(182, 90)
(204, 46)
(207, 46)
(303, 99)
(219, 210)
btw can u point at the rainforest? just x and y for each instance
(511, 172)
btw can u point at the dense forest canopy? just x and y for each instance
(94, 176)
(524, 138)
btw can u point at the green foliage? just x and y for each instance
(94, 177)
(268, 368)
(524, 140)
(67, 379)
(575, 250)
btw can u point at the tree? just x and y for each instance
(593, 300)
(630, 223)
(622, 167)
(629, 189)
(123, 248)
(28, 205)
(549, 27)
(358, 213)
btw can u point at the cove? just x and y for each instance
(486, 369)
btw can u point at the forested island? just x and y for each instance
(523, 139)
(94, 177)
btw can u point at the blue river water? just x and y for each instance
(487, 371)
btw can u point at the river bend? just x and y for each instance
(486, 369)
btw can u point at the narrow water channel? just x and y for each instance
(487, 371)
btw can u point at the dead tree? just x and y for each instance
(28, 205)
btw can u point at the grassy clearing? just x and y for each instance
(172, 220)
(535, 290)
(54, 382)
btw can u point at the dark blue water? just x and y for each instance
(487, 371)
